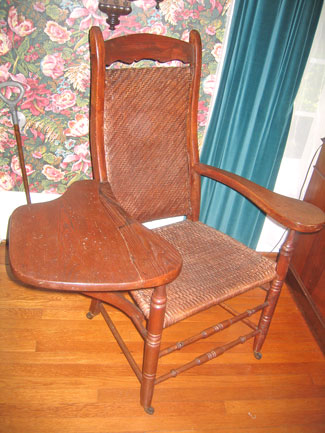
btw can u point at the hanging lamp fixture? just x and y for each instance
(114, 9)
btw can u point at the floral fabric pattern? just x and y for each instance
(44, 46)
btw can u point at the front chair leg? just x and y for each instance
(152, 347)
(93, 309)
(266, 317)
(274, 292)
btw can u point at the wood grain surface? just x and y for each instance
(60, 373)
(53, 245)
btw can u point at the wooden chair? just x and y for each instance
(146, 166)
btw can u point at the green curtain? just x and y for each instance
(268, 47)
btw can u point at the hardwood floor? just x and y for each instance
(61, 373)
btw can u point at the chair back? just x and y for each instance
(143, 122)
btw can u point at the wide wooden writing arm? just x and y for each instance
(85, 241)
(292, 213)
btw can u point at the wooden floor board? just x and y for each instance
(61, 373)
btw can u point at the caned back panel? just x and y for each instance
(146, 114)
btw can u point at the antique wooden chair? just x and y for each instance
(143, 131)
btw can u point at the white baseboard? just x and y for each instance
(10, 200)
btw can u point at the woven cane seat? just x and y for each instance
(215, 268)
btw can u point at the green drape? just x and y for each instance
(268, 47)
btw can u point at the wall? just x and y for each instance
(44, 46)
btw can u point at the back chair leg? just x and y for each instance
(152, 347)
(274, 292)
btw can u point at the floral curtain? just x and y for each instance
(44, 46)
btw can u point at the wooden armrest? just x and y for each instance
(85, 241)
(292, 213)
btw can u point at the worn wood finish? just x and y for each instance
(86, 241)
(82, 230)
(22, 162)
(292, 213)
(152, 347)
(135, 47)
(96, 121)
(128, 49)
(60, 372)
(274, 292)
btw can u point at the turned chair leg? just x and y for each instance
(274, 293)
(152, 347)
(94, 309)
(266, 317)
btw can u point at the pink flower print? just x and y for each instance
(20, 78)
(6, 182)
(157, 28)
(217, 52)
(210, 30)
(5, 118)
(89, 15)
(78, 127)
(190, 13)
(57, 33)
(37, 155)
(6, 141)
(36, 97)
(53, 65)
(5, 43)
(185, 36)
(4, 72)
(8, 91)
(128, 25)
(18, 24)
(3, 140)
(32, 57)
(173, 11)
(39, 6)
(53, 190)
(216, 5)
(36, 133)
(32, 53)
(6, 75)
(202, 113)
(209, 84)
(62, 101)
(15, 166)
(145, 4)
(80, 158)
(52, 173)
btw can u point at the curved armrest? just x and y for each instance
(292, 213)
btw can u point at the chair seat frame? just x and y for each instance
(152, 333)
